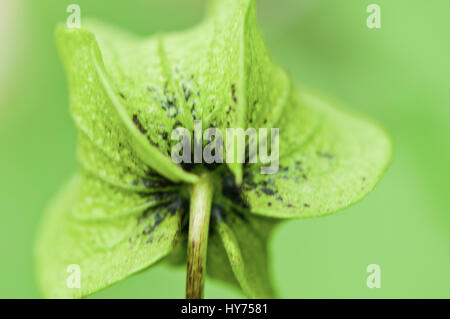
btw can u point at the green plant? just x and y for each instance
(127, 207)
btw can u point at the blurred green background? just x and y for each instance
(398, 75)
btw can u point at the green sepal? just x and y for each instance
(107, 232)
(329, 159)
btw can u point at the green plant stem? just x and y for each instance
(200, 211)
